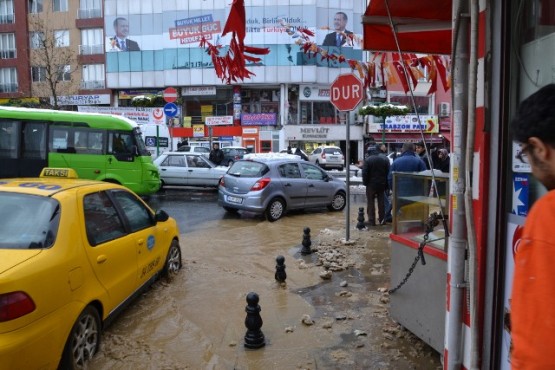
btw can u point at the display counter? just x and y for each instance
(420, 211)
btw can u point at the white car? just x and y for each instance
(188, 169)
(195, 149)
(328, 157)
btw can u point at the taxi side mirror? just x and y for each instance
(161, 216)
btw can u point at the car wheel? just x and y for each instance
(83, 341)
(275, 209)
(231, 210)
(173, 261)
(338, 202)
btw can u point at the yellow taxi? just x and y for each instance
(73, 253)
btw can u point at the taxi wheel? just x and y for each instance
(83, 341)
(275, 209)
(173, 261)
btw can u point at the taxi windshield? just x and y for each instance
(28, 221)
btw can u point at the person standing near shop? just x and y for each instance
(374, 177)
(422, 152)
(533, 298)
(408, 161)
(216, 154)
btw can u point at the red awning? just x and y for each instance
(421, 26)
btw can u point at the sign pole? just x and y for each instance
(157, 140)
(348, 178)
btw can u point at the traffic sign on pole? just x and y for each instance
(170, 94)
(346, 92)
(170, 109)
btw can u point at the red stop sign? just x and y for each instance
(170, 94)
(346, 92)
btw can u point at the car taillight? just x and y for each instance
(260, 184)
(222, 183)
(14, 305)
(323, 155)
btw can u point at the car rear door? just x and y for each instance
(293, 185)
(319, 190)
(173, 170)
(200, 172)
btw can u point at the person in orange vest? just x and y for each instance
(533, 298)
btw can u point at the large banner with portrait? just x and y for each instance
(170, 38)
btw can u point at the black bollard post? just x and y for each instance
(280, 269)
(306, 241)
(360, 219)
(254, 338)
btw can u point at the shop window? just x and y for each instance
(265, 146)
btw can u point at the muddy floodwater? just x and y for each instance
(197, 320)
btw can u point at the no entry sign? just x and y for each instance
(170, 94)
(346, 92)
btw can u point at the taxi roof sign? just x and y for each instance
(68, 173)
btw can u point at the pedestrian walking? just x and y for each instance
(216, 154)
(387, 194)
(422, 152)
(533, 298)
(408, 161)
(374, 177)
(443, 160)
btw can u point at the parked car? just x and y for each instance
(195, 149)
(328, 157)
(73, 254)
(293, 152)
(188, 169)
(233, 154)
(275, 183)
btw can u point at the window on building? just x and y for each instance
(7, 14)
(59, 5)
(92, 41)
(93, 76)
(7, 46)
(36, 40)
(8, 80)
(90, 9)
(62, 38)
(318, 113)
(35, 6)
(38, 74)
(423, 105)
(64, 73)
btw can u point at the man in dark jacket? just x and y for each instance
(408, 161)
(216, 154)
(374, 177)
(422, 152)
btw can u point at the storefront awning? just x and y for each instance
(421, 26)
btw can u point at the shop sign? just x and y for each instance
(218, 120)
(198, 91)
(82, 99)
(250, 131)
(141, 115)
(198, 130)
(258, 119)
(314, 93)
(409, 123)
(314, 133)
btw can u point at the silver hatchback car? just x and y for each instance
(275, 183)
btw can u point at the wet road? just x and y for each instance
(197, 321)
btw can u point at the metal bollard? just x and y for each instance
(254, 338)
(306, 242)
(280, 269)
(360, 219)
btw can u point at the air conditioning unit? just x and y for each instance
(444, 109)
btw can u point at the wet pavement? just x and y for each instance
(197, 321)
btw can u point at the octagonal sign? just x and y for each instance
(346, 92)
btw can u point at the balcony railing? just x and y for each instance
(7, 54)
(6, 88)
(89, 13)
(92, 85)
(91, 49)
(7, 18)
